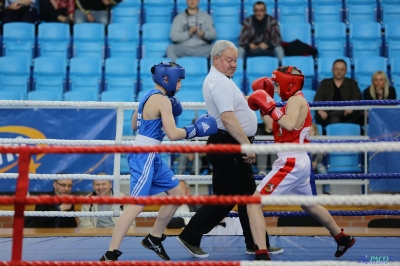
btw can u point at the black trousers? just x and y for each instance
(231, 176)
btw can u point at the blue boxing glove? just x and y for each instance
(176, 106)
(205, 125)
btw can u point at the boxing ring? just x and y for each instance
(314, 249)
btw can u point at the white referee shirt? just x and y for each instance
(222, 95)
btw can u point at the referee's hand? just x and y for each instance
(249, 158)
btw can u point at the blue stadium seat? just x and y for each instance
(260, 66)
(392, 39)
(15, 74)
(123, 40)
(226, 14)
(365, 39)
(326, 11)
(121, 74)
(306, 65)
(343, 162)
(78, 96)
(54, 40)
(228, 31)
(125, 14)
(11, 95)
(128, 3)
(395, 74)
(50, 73)
(85, 74)
(293, 11)
(364, 67)
(146, 81)
(196, 69)
(181, 5)
(309, 95)
(238, 77)
(155, 39)
(158, 11)
(330, 39)
(249, 4)
(390, 11)
(19, 39)
(89, 40)
(325, 65)
(299, 30)
(361, 11)
(45, 96)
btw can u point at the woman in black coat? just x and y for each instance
(380, 88)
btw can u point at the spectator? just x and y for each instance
(318, 166)
(338, 88)
(260, 34)
(62, 187)
(93, 10)
(262, 159)
(19, 11)
(102, 188)
(57, 10)
(192, 32)
(380, 88)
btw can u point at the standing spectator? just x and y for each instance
(102, 188)
(93, 10)
(57, 10)
(232, 173)
(62, 187)
(380, 88)
(260, 34)
(192, 32)
(338, 88)
(19, 11)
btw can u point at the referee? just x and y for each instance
(232, 173)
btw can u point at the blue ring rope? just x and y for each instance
(348, 103)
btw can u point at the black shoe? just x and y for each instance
(344, 242)
(111, 255)
(154, 243)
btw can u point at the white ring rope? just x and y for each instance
(90, 214)
(96, 177)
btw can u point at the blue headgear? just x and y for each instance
(166, 74)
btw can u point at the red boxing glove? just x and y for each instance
(261, 100)
(265, 84)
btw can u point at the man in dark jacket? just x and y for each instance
(93, 10)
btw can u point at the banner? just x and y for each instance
(384, 124)
(66, 124)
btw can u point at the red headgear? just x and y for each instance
(289, 83)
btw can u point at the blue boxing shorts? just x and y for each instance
(149, 174)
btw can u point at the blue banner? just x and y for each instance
(384, 124)
(67, 124)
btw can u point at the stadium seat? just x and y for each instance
(260, 66)
(395, 74)
(155, 39)
(392, 39)
(292, 11)
(299, 30)
(89, 40)
(390, 11)
(326, 11)
(181, 5)
(50, 73)
(249, 4)
(238, 77)
(45, 96)
(364, 68)
(125, 14)
(121, 74)
(230, 13)
(365, 39)
(19, 40)
(343, 162)
(15, 74)
(325, 65)
(54, 40)
(158, 11)
(85, 74)
(196, 69)
(11, 95)
(228, 31)
(330, 39)
(190, 95)
(309, 95)
(129, 3)
(361, 11)
(84, 96)
(123, 40)
(306, 65)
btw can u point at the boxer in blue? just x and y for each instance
(149, 174)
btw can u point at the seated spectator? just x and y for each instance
(192, 32)
(187, 161)
(19, 11)
(102, 188)
(380, 88)
(262, 159)
(338, 88)
(57, 10)
(260, 35)
(317, 164)
(62, 187)
(93, 10)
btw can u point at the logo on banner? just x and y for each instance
(9, 160)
